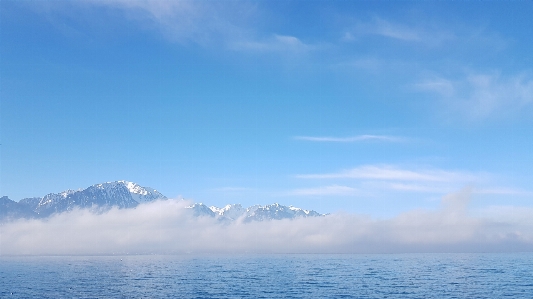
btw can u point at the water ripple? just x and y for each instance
(270, 276)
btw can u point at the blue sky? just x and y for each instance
(366, 107)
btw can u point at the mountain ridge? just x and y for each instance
(125, 194)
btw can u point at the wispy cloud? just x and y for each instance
(178, 21)
(397, 31)
(441, 86)
(374, 179)
(165, 227)
(231, 189)
(276, 43)
(482, 95)
(206, 23)
(502, 191)
(416, 187)
(388, 172)
(384, 28)
(351, 139)
(326, 190)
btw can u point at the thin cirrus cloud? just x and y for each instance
(388, 172)
(276, 43)
(204, 23)
(333, 190)
(480, 96)
(350, 139)
(397, 31)
(231, 189)
(435, 188)
(449, 37)
(376, 178)
(397, 186)
(502, 191)
(383, 28)
(178, 21)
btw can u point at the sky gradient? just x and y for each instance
(372, 108)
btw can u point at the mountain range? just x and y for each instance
(254, 213)
(125, 195)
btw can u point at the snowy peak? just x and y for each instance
(142, 194)
(306, 212)
(278, 212)
(121, 194)
(137, 192)
(236, 212)
(111, 194)
(232, 212)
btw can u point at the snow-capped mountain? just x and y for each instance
(277, 211)
(124, 194)
(231, 212)
(121, 194)
(142, 194)
(253, 213)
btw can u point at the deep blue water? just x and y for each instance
(270, 276)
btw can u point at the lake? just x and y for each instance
(269, 276)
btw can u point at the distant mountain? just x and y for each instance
(10, 210)
(121, 194)
(30, 203)
(253, 213)
(124, 194)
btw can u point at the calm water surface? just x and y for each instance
(270, 276)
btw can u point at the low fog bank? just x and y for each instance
(166, 227)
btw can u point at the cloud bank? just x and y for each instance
(165, 227)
